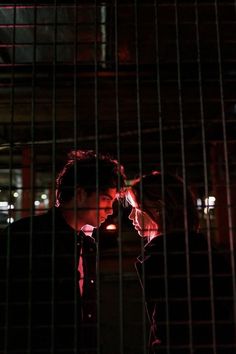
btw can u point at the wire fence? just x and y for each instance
(153, 84)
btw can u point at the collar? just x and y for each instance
(88, 230)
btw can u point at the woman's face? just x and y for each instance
(143, 223)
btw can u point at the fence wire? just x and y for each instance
(152, 84)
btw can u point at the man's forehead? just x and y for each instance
(110, 193)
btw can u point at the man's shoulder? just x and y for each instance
(26, 223)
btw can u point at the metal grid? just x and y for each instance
(150, 82)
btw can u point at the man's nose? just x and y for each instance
(109, 210)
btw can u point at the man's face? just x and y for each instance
(93, 209)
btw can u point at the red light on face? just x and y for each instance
(111, 227)
(131, 198)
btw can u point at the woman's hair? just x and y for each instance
(87, 170)
(163, 197)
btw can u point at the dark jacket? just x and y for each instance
(189, 296)
(41, 307)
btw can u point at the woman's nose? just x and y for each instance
(131, 215)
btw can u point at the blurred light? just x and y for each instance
(209, 204)
(212, 201)
(15, 194)
(10, 206)
(111, 227)
(3, 204)
(44, 196)
(10, 220)
(37, 203)
(199, 203)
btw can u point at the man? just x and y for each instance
(48, 287)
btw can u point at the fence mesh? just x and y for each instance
(152, 83)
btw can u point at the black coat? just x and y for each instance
(41, 307)
(187, 304)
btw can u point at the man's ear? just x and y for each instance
(81, 196)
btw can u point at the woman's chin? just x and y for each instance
(142, 233)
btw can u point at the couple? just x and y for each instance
(49, 266)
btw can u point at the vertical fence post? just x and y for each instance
(27, 193)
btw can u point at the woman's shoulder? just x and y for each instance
(177, 241)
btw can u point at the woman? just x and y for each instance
(189, 301)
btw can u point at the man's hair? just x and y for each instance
(90, 171)
(148, 191)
